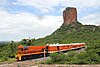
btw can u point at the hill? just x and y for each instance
(72, 31)
(69, 34)
(3, 42)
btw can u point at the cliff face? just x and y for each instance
(69, 15)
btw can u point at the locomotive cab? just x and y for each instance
(20, 48)
(18, 53)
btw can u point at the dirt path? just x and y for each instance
(27, 63)
(31, 64)
(36, 63)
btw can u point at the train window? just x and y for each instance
(20, 49)
(57, 47)
(46, 47)
(26, 47)
(42, 49)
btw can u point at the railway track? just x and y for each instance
(26, 63)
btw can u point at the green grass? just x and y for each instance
(10, 60)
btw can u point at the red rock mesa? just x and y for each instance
(69, 15)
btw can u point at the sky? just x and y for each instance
(38, 18)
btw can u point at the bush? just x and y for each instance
(55, 57)
(93, 58)
(87, 58)
(4, 58)
(49, 62)
(71, 53)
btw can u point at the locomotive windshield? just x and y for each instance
(20, 48)
(25, 47)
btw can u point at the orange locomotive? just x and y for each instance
(31, 51)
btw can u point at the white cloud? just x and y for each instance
(92, 19)
(48, 5)
(2, 2)
(82, 3)
(16, 26)
(43, 5)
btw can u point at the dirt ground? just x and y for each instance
(33, 64)
(36, 63)
(44, 65)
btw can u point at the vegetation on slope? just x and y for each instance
(88, 34)
(8, 50)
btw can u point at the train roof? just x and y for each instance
(64, 44)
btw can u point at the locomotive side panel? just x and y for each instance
(52, 49)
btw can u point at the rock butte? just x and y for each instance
(69, 15)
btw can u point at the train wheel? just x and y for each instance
(23, 58)
(17, 58)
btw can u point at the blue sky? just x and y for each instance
(38, 18)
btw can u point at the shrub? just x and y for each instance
(55, 57)
(87, 58)
(71, 53)
(4, 58)
(49, 62)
